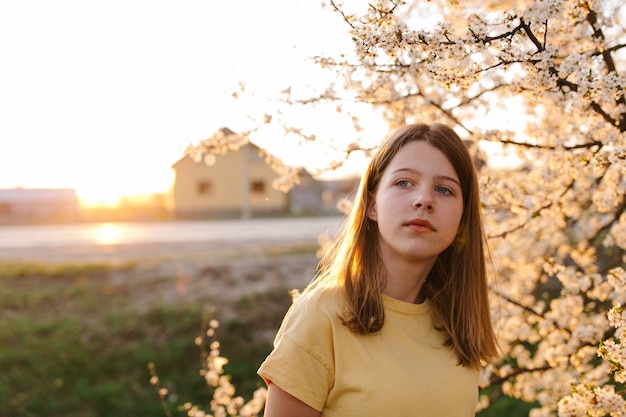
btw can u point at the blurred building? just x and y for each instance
(238, 184)
(38, 204)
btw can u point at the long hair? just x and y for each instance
(457, 283)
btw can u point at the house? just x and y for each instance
(307, 196)
(38, 204)
(237, 183)
(339, 192)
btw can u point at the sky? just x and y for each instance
(104, 96)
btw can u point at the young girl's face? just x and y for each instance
(418, 204)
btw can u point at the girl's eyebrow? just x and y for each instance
(439, 177)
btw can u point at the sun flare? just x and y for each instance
(107, 234)
(110, 192)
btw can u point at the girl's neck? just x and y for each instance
(404, 281)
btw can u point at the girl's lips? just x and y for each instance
(421, 225)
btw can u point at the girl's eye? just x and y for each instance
(403, 183)
(443, 190)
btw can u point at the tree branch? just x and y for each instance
(592, 19)
(534, 214)
(550, 147)
(517, 372)
(518, 304)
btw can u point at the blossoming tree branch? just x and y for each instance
(556, 216)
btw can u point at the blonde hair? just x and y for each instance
(457, 284)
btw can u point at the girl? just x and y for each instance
(396, 321)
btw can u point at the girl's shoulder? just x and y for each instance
(322, 303)
(322, 298)
(317, 311)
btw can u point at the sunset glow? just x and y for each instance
(107, 112)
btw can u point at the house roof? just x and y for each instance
(218, 138)
(33, 195)
(216, 141)
(186, 155)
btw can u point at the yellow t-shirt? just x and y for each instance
(404, 370)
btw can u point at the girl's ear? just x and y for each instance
(371, 209)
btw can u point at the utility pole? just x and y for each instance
(246, 203)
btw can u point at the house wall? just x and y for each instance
(269, 198)
(230, 183)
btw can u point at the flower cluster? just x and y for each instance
(593, 400)
(222, 141)
(224, 402)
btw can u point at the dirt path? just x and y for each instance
(174, 274)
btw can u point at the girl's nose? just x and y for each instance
(424, 200)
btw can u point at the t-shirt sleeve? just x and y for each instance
(302, 362)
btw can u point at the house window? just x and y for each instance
(257, 187)
(204, 187)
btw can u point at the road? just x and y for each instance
(118, 241)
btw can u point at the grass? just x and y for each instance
(73, 343)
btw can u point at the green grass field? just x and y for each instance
(75, 343)
(76, 340)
